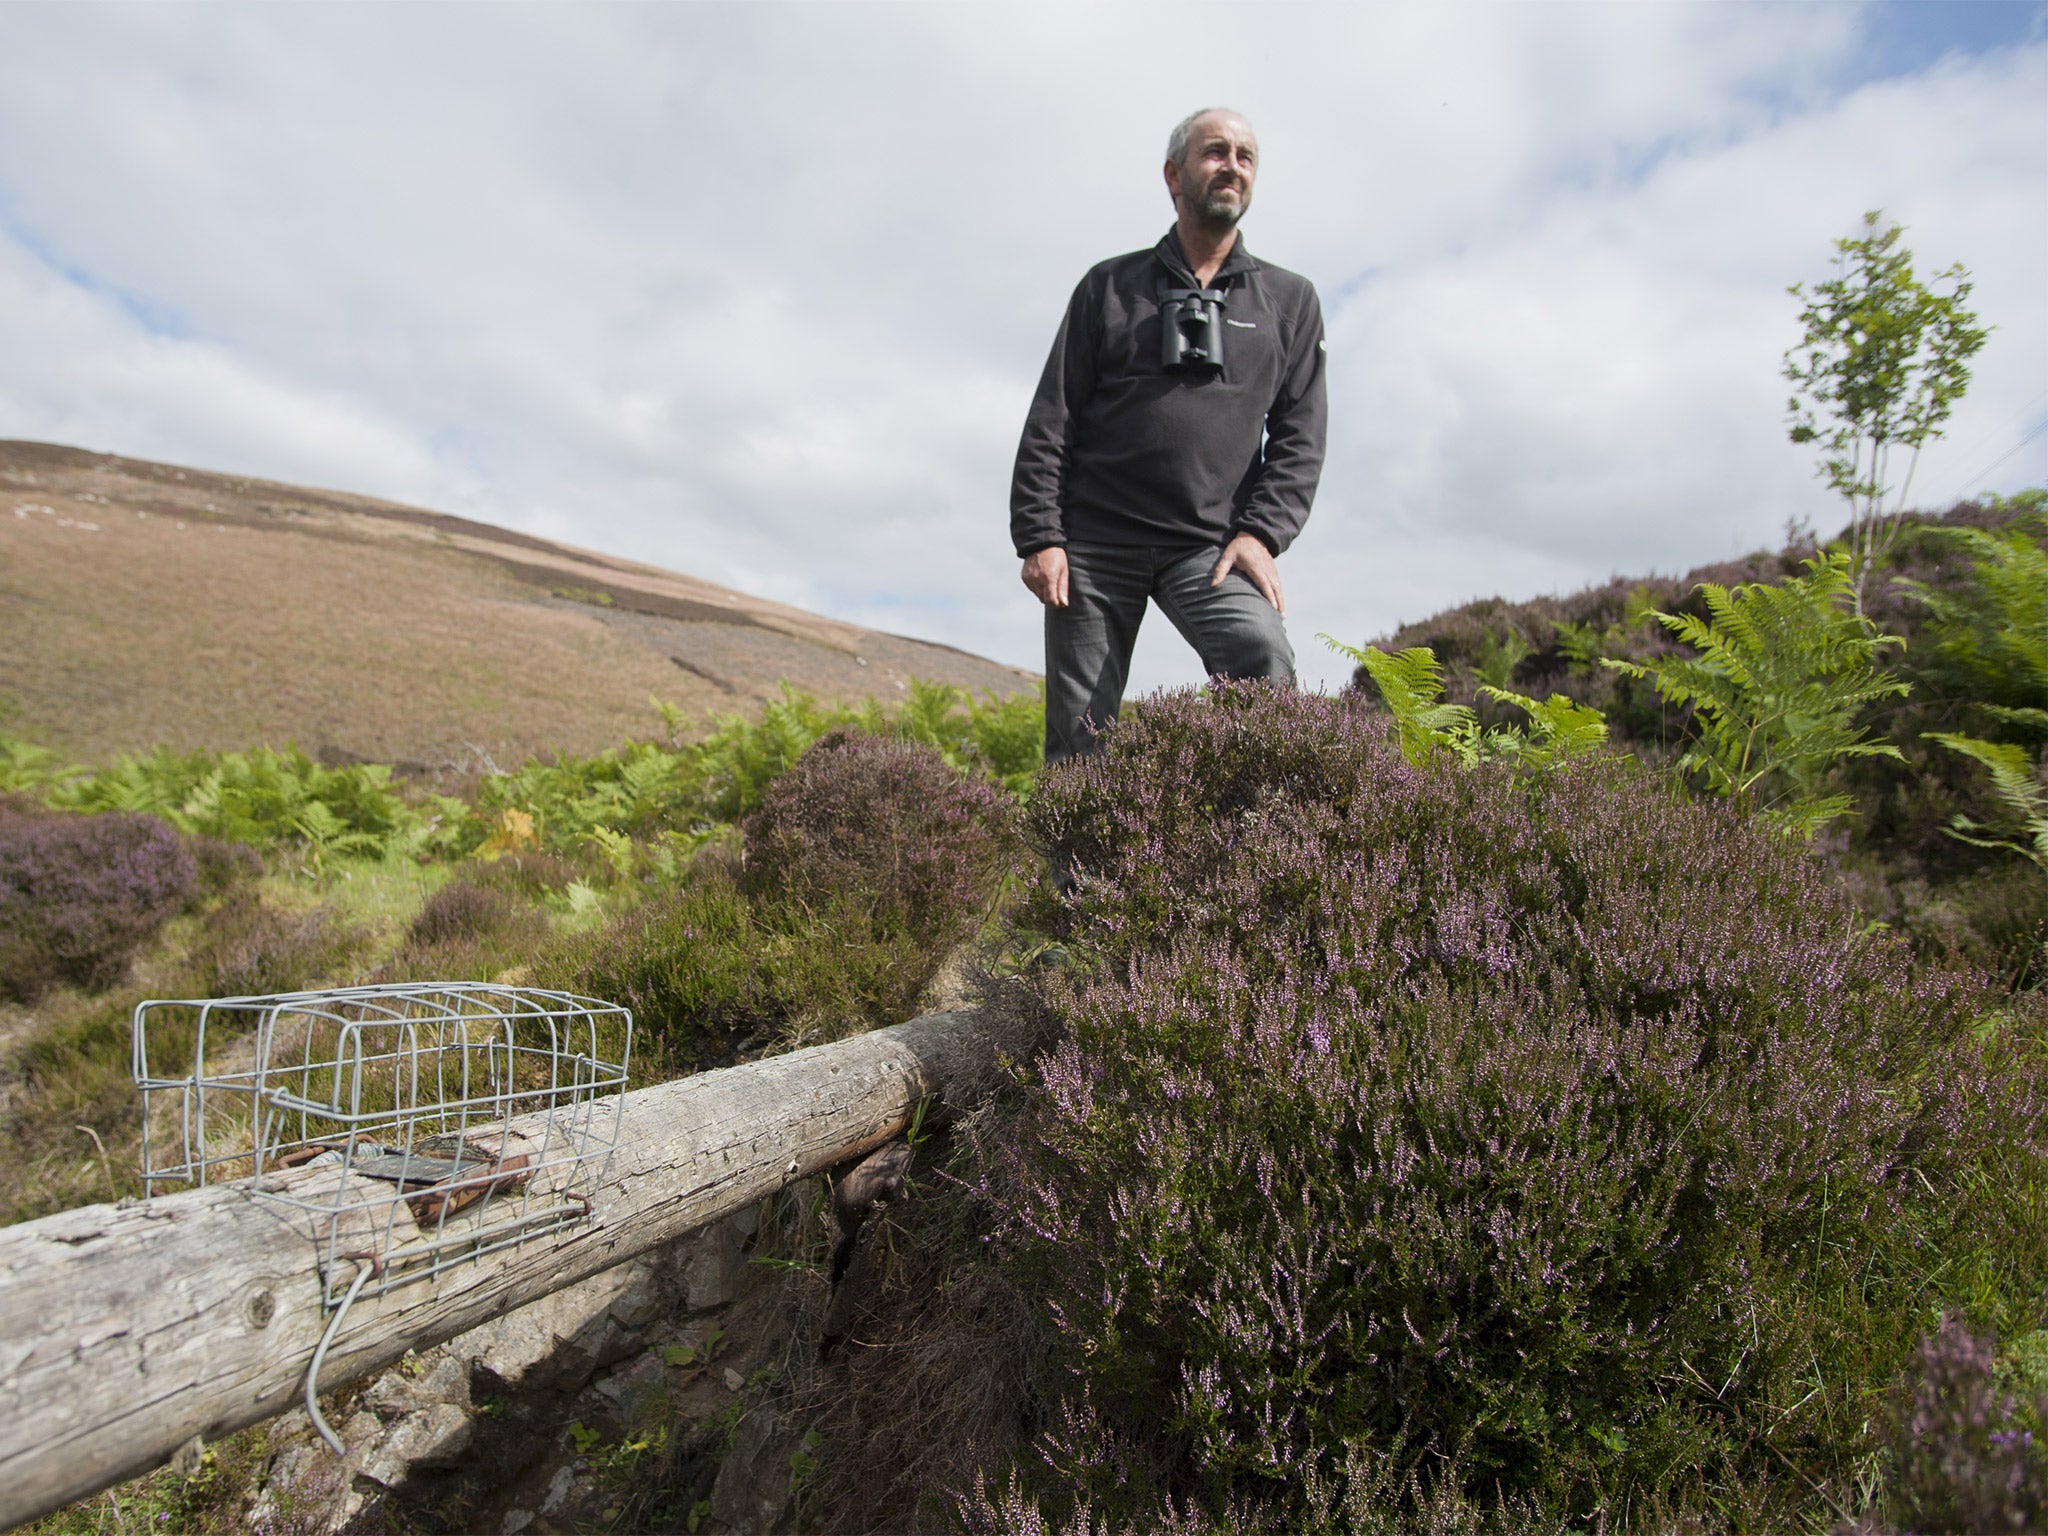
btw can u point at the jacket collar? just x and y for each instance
(1176, 259)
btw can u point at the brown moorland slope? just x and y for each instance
(144, 603)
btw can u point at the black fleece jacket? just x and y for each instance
(1116, 450)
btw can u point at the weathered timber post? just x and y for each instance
(128, 1330)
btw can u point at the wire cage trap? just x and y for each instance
(413, 1126)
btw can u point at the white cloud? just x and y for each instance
(760, 291)
(81, 370)
(1599, 391)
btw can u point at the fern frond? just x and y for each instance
(1803, 818)
(2021, 797)
(1559, 728)
(1776, 678)
(1411, 682)
(26, 767)
(2034, 722)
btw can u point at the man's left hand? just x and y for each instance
(1248, 553)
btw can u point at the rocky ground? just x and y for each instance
(652, 1396)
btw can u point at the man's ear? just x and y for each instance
(1172, 172)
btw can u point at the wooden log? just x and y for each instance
(127, 1331)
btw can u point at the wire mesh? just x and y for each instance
(412, 1126)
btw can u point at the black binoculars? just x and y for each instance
(1191, 329)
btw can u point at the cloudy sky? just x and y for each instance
(760, 291)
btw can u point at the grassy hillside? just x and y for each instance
(143, 603)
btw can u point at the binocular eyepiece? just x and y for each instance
(1191, 329)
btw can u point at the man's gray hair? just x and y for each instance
(1177, 141)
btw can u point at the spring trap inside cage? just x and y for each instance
(411, 1126)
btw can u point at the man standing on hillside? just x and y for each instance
(1173, 447)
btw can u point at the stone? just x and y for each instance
(516, 1520)
(751, 1492)
(636, 1391)
(715, 1268)
(359, 1434)
(303, 1482)
(639, 1302)
(563, 1337)
(446, 1382)
(267, 1509)
(392, 1396)
(434, 1436)
(733, 1380)
(442, 1378)
(308, 1488)
(560, 1487)
(747, 1221)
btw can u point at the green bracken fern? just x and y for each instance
(1412, 684)
(1779, 676)
(2022, 799)
(1990, 630)
(1990, 648)
(1558, 729)
(645, 806)
(26, 768)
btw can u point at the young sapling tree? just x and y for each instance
(1883, 360)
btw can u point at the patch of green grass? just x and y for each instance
(383, 893)
(212, 1499)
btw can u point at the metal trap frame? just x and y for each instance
(414, 1126)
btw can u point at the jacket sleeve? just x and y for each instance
(1297, 427)
(1045, 453)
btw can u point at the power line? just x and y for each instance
(1987, 438)
(1962, 486)
(2038, 428)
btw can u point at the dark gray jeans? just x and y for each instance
(1235, 631)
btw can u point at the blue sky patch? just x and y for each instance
(157, 319)
(1905, 37)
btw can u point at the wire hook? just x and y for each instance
(366, 1266)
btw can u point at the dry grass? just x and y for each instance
(936, 1377)
(140, 603)
(937, 1374)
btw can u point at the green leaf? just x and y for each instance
(1412, 685)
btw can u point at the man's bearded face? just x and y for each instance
(1215, 181)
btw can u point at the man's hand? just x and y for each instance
(1248, 553)
(1045, 573)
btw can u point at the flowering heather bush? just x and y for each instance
(249, 949)
(885, 824)
(867, 862)
(710, 975)
(1963, 1459)
(79, 895)
(473, 931)
(461, 911)
(1548, 1135)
